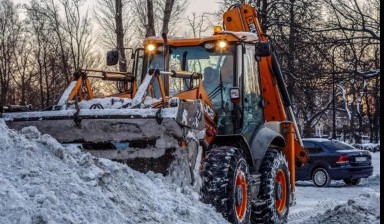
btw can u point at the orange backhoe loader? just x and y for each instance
(210, 112)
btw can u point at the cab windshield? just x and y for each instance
(216, 68)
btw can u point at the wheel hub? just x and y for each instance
(239, 195)
(240, 200)
(320, 178)
(279, 191)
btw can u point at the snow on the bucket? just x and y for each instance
(43, 182)
(362, 209)
(111, 103)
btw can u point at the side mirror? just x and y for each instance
(112, 57)
(262, 49)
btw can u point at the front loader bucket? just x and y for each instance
(102, 130)
(145, 139)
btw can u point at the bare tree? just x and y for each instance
(61, 37)
(50, 11)
(165, 14)
(25, 73)
(357, 25)
(10, 33)
(78, 29)
(43, 40)
(352, 16)
(116, 32)
(198, 23)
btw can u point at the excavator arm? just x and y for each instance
(243, 18)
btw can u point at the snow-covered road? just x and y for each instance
(321, 202)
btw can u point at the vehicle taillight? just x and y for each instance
(342, 159)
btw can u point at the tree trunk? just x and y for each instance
(23, 89)
(167, 15)
(120, 36)
(151, 21)
(291, 49)
(376, 98)
(353, 112)
(307, 130)
(376, 114)
(263, 16)
(370, 118)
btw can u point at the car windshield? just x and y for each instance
(337, 145)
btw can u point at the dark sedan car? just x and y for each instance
(334, 160)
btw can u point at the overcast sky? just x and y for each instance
(194, 5)
(203, 5)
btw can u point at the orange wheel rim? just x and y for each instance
(241, 196)
(281, 191)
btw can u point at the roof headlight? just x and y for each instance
(222, 44)
(151, 47)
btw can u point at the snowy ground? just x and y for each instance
(338, 203)
(44, 182)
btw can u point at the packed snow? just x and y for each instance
(339, 203)
(43, 182)
(364, 208)
(373, 147)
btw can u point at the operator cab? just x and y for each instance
(224, 66)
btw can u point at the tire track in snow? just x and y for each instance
(322, 206)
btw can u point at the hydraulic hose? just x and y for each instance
(280, 81)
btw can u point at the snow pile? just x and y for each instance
(43, 182)
(372, 180)
(368, 146)
(362, 209)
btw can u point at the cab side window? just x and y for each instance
(253, 113)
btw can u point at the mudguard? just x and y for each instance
(254, 150)
(261, 141)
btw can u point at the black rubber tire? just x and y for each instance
(219, 173)
(323, 174)
(352, 181)
(264, 210)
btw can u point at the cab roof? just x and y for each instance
(224, 35)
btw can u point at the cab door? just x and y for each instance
(253, 116)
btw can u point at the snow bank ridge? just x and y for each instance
(43, 182)
(364, 209)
